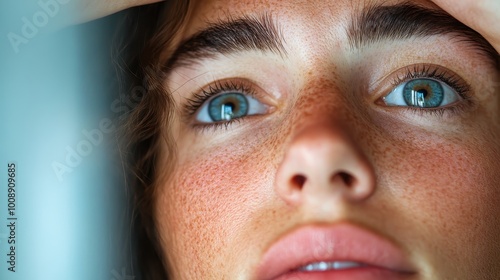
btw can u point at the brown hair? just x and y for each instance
(146, 36)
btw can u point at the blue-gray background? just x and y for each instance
(56, 85)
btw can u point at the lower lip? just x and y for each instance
(362, 273)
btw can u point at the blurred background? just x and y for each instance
(58, 106)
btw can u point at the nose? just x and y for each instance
(322, 163)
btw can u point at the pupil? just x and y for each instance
(423, 92)
(227, 107)
(227, 111)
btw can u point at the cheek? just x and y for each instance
(212, 198)
(446, 194)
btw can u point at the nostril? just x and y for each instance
(298, 181)
(346, 178)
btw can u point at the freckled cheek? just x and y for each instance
(213, 197)
(450, 194)
(450, 177)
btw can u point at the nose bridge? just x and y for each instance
(324, 98)
(323, 162)
(324, 111)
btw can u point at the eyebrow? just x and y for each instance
(375, 23)
(406, 20)
(230, 36)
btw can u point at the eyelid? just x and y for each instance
(396, 96)
(251, 107)
(382, 87)
(196, 100)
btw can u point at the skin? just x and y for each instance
(87, 10)
(427, 182)
(481, 16)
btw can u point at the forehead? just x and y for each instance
(311, 29)
(306, 13)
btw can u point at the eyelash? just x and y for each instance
(198, 99)
(435, 72)
(411, 72)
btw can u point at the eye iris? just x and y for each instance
(228, 106)
(423, 93)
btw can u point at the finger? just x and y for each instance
(480, 15)
(92, 9)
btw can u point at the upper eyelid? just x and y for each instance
(383, 85)
(194, 102)
(389, 99)
(439, 73)
(402, 75)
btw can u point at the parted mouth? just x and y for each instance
(325, 266)
(337, 250)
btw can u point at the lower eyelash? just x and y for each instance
(198, 99)
(412, 72)
(451, 79)
(216, 125)
(442, 111)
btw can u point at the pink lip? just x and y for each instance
(341, 242)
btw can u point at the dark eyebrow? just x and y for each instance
(374, 23)
(229, 36)
(406, 20)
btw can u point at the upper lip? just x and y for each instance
(340, 242)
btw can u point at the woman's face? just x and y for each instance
(318, 135)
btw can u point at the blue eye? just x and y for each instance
(422, 93)
(229, 106)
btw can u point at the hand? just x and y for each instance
(87, 10)
(480, 15)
